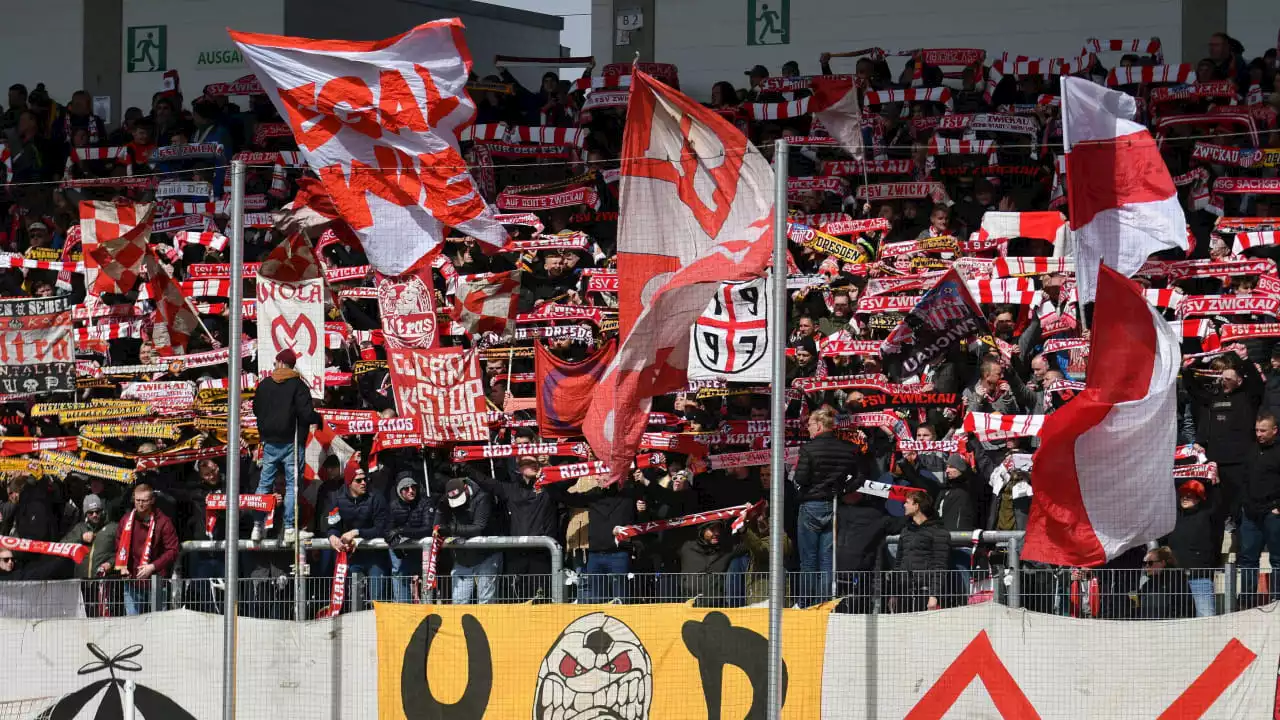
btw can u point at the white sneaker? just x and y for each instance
(306, 534)
(289, 536)
(256, 534)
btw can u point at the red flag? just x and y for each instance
(565, 389)
(696, 210)
(1103, 473)
(120, 259)
(175, 319)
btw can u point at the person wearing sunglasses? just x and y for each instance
(8, 565)
(96, 532)
(1164, 594)
(358, 515)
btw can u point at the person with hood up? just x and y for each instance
(283, 407)
(469, 513)
(1192, 540)
(412, 518)
(924, 547)
(704, 561)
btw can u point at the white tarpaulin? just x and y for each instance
(291, 315)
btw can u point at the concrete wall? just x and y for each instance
(195, 33)
(41, 42)
(102, 51)
(491, 29)
(1254, 23)
(706, 39)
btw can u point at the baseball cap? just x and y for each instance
(760, 70)
(287, 356)
(92, 503)
(456, 491)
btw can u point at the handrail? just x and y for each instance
(495, 542)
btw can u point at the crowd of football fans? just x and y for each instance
(1229, 391)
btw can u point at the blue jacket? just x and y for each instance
(367, 514)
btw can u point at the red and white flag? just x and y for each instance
(488, 303)
(102, 221)
(836, 104)
(696, 210)
(379, 123)
(175, 321)
(1123, 203)
(1103, 475)
(1049, 225)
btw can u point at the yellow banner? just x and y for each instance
(104, 412)
(93, 446)
(832, 245)
(158, 431)
(636, 662)
(64, 463)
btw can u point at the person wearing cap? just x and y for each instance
(755, 76)
(412, 518)
(96, 532)
(468, 513)
(1260, 510)
(282, 405)
(358, 515)
(1192, 542)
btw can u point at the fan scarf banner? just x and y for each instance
(731, 339)
(37, 351)
(381, 119)
(291, 316)
(580, 661)
(442, 388)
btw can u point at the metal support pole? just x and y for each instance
(357, 597)
(777, 428)
(234, 331)
(1015, 572)
(155, 593)
(1228, 588)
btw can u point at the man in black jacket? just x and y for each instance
(607, 507)
(412, 518)
(825, 466)
(282, 405)
(1225, 411)
(357, 515)
(469, 513)
(1260, 515)
(530, 511)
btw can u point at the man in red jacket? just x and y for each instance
(146, 545)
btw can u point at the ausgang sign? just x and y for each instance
(221, 58)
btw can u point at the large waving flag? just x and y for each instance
(695, 209)
(1122, 200)
(1103, 475)
(379, 123)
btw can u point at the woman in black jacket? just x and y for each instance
(923, 549)
(1192, 543)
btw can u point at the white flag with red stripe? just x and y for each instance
(322, 444)
(1104, 471)
(1123, 203)
(836, 103)
(378, 122)
(1049, 225)
(696, 210)
(486, 304)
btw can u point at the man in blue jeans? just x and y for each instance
(1260, 510)
(468, 512)
(826, 465)
(282, 405)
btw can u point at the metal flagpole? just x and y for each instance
(777, 427)
(231, 606)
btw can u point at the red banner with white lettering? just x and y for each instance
(443, 390)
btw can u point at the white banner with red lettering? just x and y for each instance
(291, 316)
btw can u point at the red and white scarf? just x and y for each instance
(626, 532)
(126, 541)
(338, 590)
(431, 561)
(217, 502)
(74, 551)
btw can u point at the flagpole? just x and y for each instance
(777, 427)
(230, 608)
